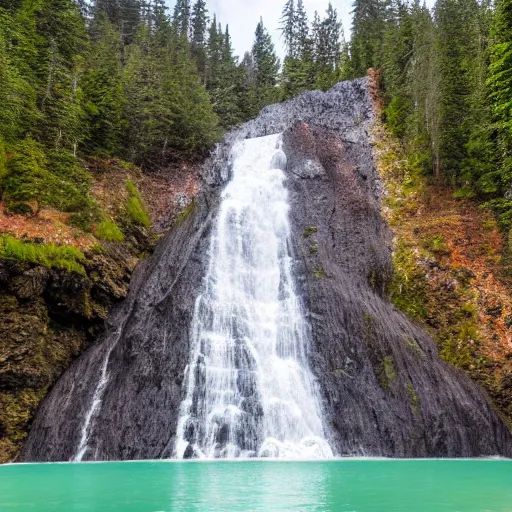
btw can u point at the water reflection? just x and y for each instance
(249, 487)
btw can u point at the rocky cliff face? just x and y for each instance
(48, 317)
(385, 391)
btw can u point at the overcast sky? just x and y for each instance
(243, 16)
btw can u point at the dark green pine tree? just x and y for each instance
(199, 24)
(327, 37)
(456, 52)
(298, 68)
(18, 106)
(480, 162)
(289, 28)
(301, 29)
(368, 24)
(125, 15)
(103, 91)
(62, 43)
(226, 90)
(397, 56)
(247, 69)
(49, 61)
(181, 17)
(500, 87)
(214, 48)
(266, 66)
(168, 111)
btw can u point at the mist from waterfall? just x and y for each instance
(248, 390)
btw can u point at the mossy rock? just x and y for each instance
(311, 230)
(387, 372)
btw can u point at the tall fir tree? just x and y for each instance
(199, 23)
(368, 25)
(289, 28)
(103, 91)
(181, 17)
(327, 37)
(500, 87)
(456, 51)
(266, 66)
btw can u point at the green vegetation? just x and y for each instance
(185, 213)
(408, 289)
(317, 55)
(387, 372)
(415, 399)
(135, 206)
(18, 208)
(311, 230)
(66, 258)
(414, 347)
(446, 74)
(319, 273)
(108, 231)
(436, 244)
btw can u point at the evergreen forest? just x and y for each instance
(134, 80)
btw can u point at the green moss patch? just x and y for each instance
(311, 230)
(52, 256)
(108, 231)
(135, 208)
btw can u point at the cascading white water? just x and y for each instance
(249, 390)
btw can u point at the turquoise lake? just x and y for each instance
(266, 486)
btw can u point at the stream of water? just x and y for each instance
(249, 390)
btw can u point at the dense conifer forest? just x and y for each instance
(128, 78)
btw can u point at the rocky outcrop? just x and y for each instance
(48, 317)
(385, 390)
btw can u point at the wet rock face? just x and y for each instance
(385, 391)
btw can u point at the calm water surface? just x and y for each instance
(348, 485)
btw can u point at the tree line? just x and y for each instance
(447, 81)
(129, 79)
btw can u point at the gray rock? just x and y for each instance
(385, 390)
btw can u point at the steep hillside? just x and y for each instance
(453, 269)
(59, 282)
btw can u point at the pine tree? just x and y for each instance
(181, 17)
(59, 63)
(266, 65)
(226, 91)
(168, 111)
(301, 30)
(327, 37)
(368, 23)
(456, 47)
(199, 23)
(500, 86)
(18, 107)
(397, 56)
(214, 54)
(103, 91)
(289, 28)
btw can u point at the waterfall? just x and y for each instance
(248, 390)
